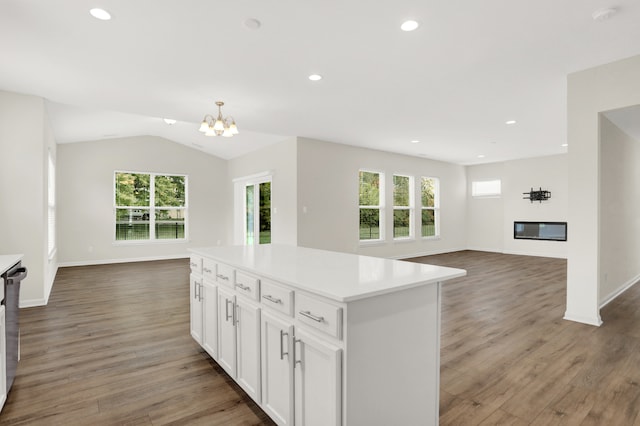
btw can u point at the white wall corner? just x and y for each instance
(624, 287)
(589, 320)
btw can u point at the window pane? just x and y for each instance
(485, 188)
(132, 189)
(428, 190)
(265, 213)
(401, 191)
(169, 191)
(369, 189)
(249, 214)
(428, 223)
(369, 224)
(170, 224)
(401, 219)
(132, 224)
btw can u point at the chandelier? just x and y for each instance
(218, 126)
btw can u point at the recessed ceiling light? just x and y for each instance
(603, 14)
(315, 77)
(510, 122)
(481, 156)
(252, 24)
(564, 145)
(100, 14)
(409, 26)
(169, 121)
(414, 141)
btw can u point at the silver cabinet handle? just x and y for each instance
(282, 352)
(207, 270)
(222, 277)
(243, 287)
(235, 320)
(296, 361)
(271, 298)
(226, 309)
(199, 292)
(195, 289)
(308, 314)
(195, 265)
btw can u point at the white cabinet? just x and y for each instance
(248, 347)
(239, 341)
(3, 359)
(210, 317)
(195, 296)
(318, 338)
(227, 331)
(318, 377)
(277, 369)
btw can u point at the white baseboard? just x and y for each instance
(127, 260)
(426, 253)
(490, 250)
(597, 321)
(536, 254)
(624, 287)
(32, 302)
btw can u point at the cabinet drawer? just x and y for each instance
(195, 262)
(209, 269)
(320, 315)
(277, 297)
(224, 274)
(247, 285)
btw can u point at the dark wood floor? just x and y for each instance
(113, 348)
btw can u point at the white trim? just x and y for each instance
(252, 177)
(624, 287)
(597, 321)
(30, 303)
(125, 260)
(535, 254)
(426, 253)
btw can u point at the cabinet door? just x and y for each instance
(227, 331)
(277, 369)
(248, 347)
(318, 381)
(210, 318)
(195, 293)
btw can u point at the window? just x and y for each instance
(402, 206)
(150, 206)
(486, 188)
(51, 202)
(371, 196)
(257, 197)
(430, 194)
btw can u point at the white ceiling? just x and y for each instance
(452, 84)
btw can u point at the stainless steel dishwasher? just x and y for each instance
(12, 279)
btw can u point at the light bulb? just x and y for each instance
(210, 131)
(233, 128)
(204, 126)
(219, 125)
(227, 132)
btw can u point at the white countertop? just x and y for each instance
(8, 260)
(339, 276)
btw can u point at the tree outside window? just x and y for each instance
(370, 196)
(150, 206)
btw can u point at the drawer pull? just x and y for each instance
(272, 299)
(243, 287)
(207, 270)
(308, 314)
(222, 277)
(195, 265)
(282, 352)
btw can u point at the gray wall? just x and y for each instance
(86, 197)
(25, 138)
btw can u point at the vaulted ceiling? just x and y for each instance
(452, 84)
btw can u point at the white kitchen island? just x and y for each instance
(322, 338)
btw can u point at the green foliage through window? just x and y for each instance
(136, 217)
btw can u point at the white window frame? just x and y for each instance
(477, 192)
(256, 208)
(51, 205)
(380, 207)
(152, 209)
(435, 208)
(410, 207)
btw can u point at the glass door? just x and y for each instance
(257, 220)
